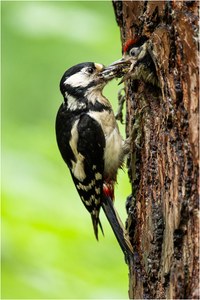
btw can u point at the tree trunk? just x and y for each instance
(163, 209)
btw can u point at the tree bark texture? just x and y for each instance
(163, 210)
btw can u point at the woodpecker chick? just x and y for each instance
(137, 62)
(89, 140)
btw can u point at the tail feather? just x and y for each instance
(96, 222)
(117, 226)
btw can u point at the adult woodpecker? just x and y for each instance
(90, 142)
(137, 62)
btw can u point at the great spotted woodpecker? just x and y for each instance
(137, 62)
(90, 142)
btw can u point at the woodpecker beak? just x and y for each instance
(102, 80)
(117, 69)
(100, 73)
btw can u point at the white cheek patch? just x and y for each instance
(78, 79)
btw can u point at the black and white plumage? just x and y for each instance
(90, 143)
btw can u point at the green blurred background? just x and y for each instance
(48, 245)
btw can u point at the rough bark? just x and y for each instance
(163, 209)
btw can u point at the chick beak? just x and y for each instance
(119, 62)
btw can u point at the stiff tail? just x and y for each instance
(117, 226)
(96, 222)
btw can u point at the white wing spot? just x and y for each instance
(98, 191)
(86, 188)
(95, 213)
(98, 176)
(88, 202)
(97, 201)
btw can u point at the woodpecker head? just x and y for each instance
(135, 49)
(81, 78)
(81, 84)
(136, 62)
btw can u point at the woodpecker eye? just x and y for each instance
(90, 70)
(134, 51)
